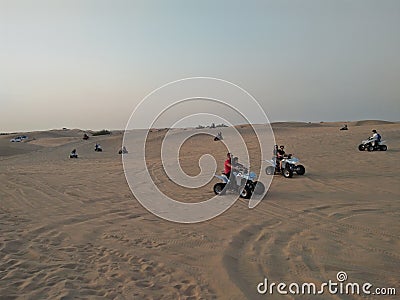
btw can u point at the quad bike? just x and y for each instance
(368, 145)
(98, 148)
(288, 167)
(218, 137)
(123, 151)
(242, 182)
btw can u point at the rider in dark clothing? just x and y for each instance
(236, 165)
(73, 154)
(280, 154)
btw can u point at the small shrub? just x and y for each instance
(101, 132)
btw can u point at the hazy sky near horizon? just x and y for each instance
(87, 64)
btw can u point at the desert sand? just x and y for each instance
(71, 229)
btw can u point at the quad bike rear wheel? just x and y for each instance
(383, 148)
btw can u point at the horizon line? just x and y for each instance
(205, 126)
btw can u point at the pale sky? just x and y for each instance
(87, 64)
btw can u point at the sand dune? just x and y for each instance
(71, 229)
(296, 124)
(372, 122)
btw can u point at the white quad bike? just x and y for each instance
(367, 145)
(245, 184)
(289, 166)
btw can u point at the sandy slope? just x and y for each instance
(72, 229)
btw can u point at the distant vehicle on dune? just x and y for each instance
(18, 139)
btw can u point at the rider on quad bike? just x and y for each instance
(284, 164)
(373, 143)
(228, 171)
(237, 178)
(280, 155)
(228, 165)
(375, 138)
(236, 165)
(98, 148)
(231, 165)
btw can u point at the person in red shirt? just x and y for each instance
(228, 165)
